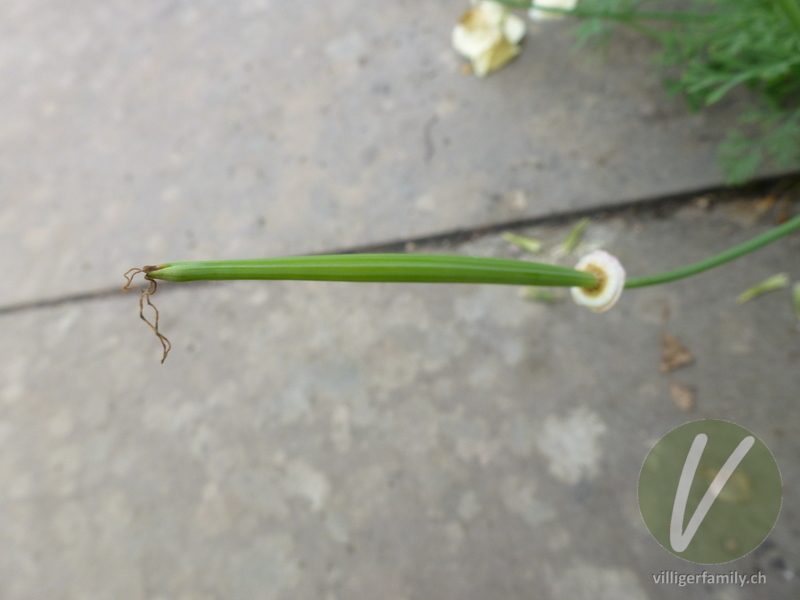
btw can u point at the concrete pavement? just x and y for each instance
(355, 441)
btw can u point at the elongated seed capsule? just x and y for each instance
(421, 268)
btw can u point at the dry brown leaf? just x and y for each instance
(673, 354)
(783, 210)
(762, 205)
(682, 396)
(750, 212)
(702, 202)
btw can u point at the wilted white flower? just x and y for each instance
(488, 35)
(545, 15)
(611, 278)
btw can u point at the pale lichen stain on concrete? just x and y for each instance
(6, 428)
(60, 424)
(413, 426)
(344, 48)
(519, 435)
(269, 559)
(468, 505)
(471, 437)
(407, 310)
(294, 402)
(368, 492)
(12, 379)
(61, 470)
(169, 416)
(519, 497)
(454, 533)
(341, 431)
(571, 444)
(337, 526)
(70, 524)
(212, 515)
(304, 481)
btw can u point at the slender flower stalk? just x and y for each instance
(719, 259)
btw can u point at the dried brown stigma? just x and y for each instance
(144, 298)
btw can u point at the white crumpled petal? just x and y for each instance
(488, 36)
(612, 281)
(513, 29)
(544, 15)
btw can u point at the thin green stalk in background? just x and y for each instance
(721, 258)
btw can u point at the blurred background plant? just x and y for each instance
(708, 49)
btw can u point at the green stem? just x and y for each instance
(422, 268)
(721, 258)
(792, 10)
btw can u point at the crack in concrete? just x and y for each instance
(660, 206)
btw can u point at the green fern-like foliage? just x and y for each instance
(710, 48)
(748, 43)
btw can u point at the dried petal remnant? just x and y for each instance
(152, 285)
(488, 35)
(610, 281)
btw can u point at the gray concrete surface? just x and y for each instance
(334, 440)
(169, 130)
(353, 441)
